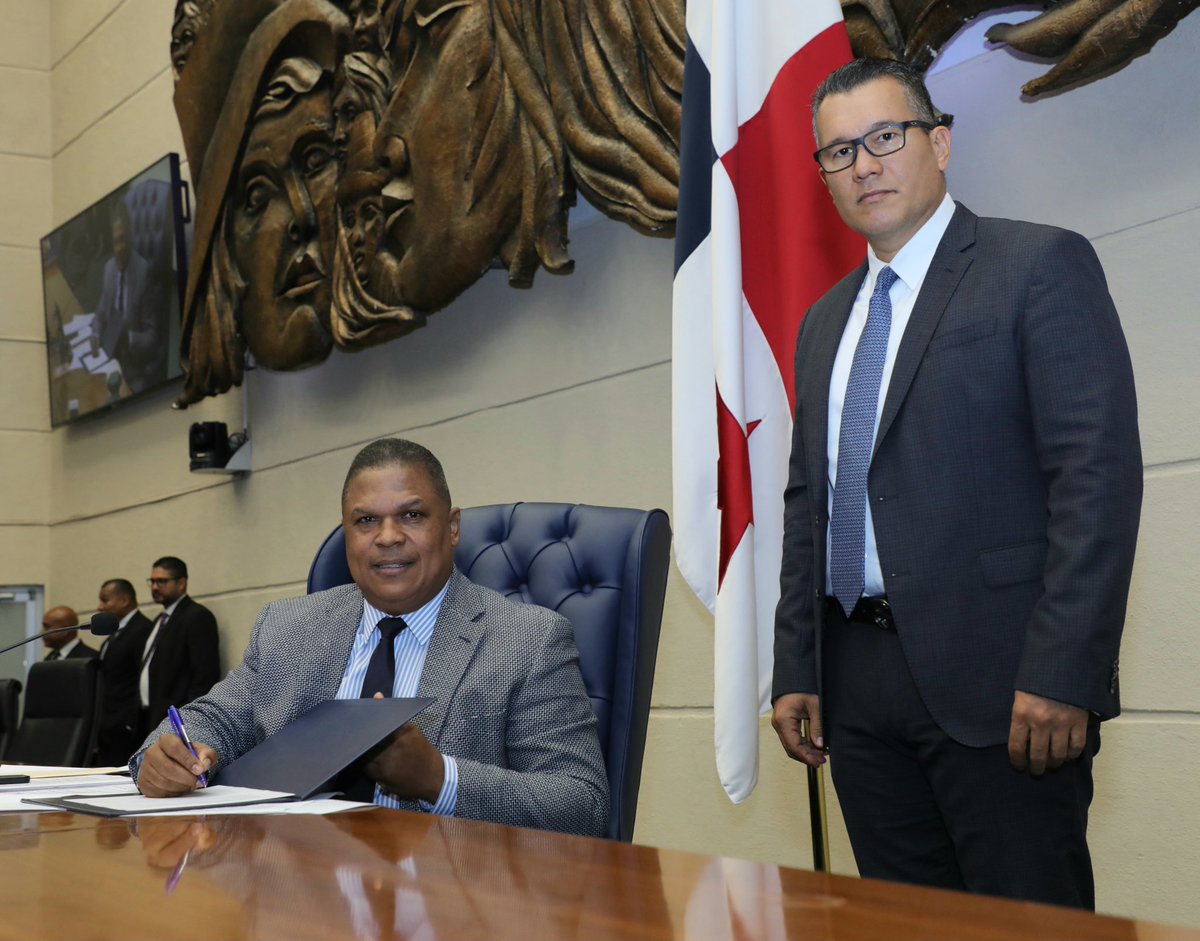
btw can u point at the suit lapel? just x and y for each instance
(950, 262)
(456, 635)
(337, 628)
(824, 335)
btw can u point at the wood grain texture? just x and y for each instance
(390, 874)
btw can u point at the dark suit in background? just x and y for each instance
(1005, 488)
(120, 665)
(81, 650)
(186, 660)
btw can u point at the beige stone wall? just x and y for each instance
(25, 195)
(563, 393)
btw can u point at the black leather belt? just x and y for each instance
(873, 611)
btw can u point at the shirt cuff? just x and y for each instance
(448, 799)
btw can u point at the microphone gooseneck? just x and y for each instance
(102, 624)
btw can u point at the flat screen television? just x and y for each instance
(113, 279)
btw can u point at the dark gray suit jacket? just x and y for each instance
(510, 702)
(1005, 486)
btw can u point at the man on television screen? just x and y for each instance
(129, 323)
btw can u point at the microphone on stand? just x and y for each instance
(102, 624)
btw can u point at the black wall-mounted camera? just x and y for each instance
(211, 447)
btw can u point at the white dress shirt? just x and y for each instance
(148, 651)
(411, 647)
(911, 265)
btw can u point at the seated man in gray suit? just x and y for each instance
(511, 737)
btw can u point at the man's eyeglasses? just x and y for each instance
(884, 140)
(159, 582)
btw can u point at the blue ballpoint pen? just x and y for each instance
(177, 725)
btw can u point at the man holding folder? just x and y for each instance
(511, 737)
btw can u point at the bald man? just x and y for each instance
(66, 644)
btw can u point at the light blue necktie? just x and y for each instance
(847, 524)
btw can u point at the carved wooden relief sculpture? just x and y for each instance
(1089, 38)
(358, 164)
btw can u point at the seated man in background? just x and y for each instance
(120, 665)
(66, 644)
(511, 737)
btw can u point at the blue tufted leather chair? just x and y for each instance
(150, 221)
(605, 570)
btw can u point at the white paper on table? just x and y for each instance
(54, 771)
(315, 806)
(130, 803)
(12, 796)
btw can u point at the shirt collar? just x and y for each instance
(420, 622)
(913, 260)
(125, 620)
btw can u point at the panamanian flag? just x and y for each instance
(757, 242)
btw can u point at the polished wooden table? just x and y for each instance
(380, 874)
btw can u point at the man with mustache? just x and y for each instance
(512, 737)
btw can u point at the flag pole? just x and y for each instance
(818, 819)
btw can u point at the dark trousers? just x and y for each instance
(922, 808)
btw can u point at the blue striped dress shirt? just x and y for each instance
(412, 644)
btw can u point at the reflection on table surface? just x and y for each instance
(380, 874)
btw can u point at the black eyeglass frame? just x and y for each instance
(944, 120)
(152, 582)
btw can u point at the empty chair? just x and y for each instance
(605, 570)
(58, 727)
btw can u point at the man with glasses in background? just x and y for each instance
(960, 517)
(181, 658)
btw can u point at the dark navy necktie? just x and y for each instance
(380, 678)
(847, 523)
(381, 669)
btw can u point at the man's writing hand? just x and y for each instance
(168, 768)
(1044, 733)
(790, 712)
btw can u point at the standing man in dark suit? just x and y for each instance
(960, 517)
(181, 658)
(120, 667)
(67, 644)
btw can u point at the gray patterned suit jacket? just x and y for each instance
(510, 703)
(1005, 485)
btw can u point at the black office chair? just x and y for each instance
(605, 570)
(10, 705)
(61, 704)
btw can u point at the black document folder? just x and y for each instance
(303, 758)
